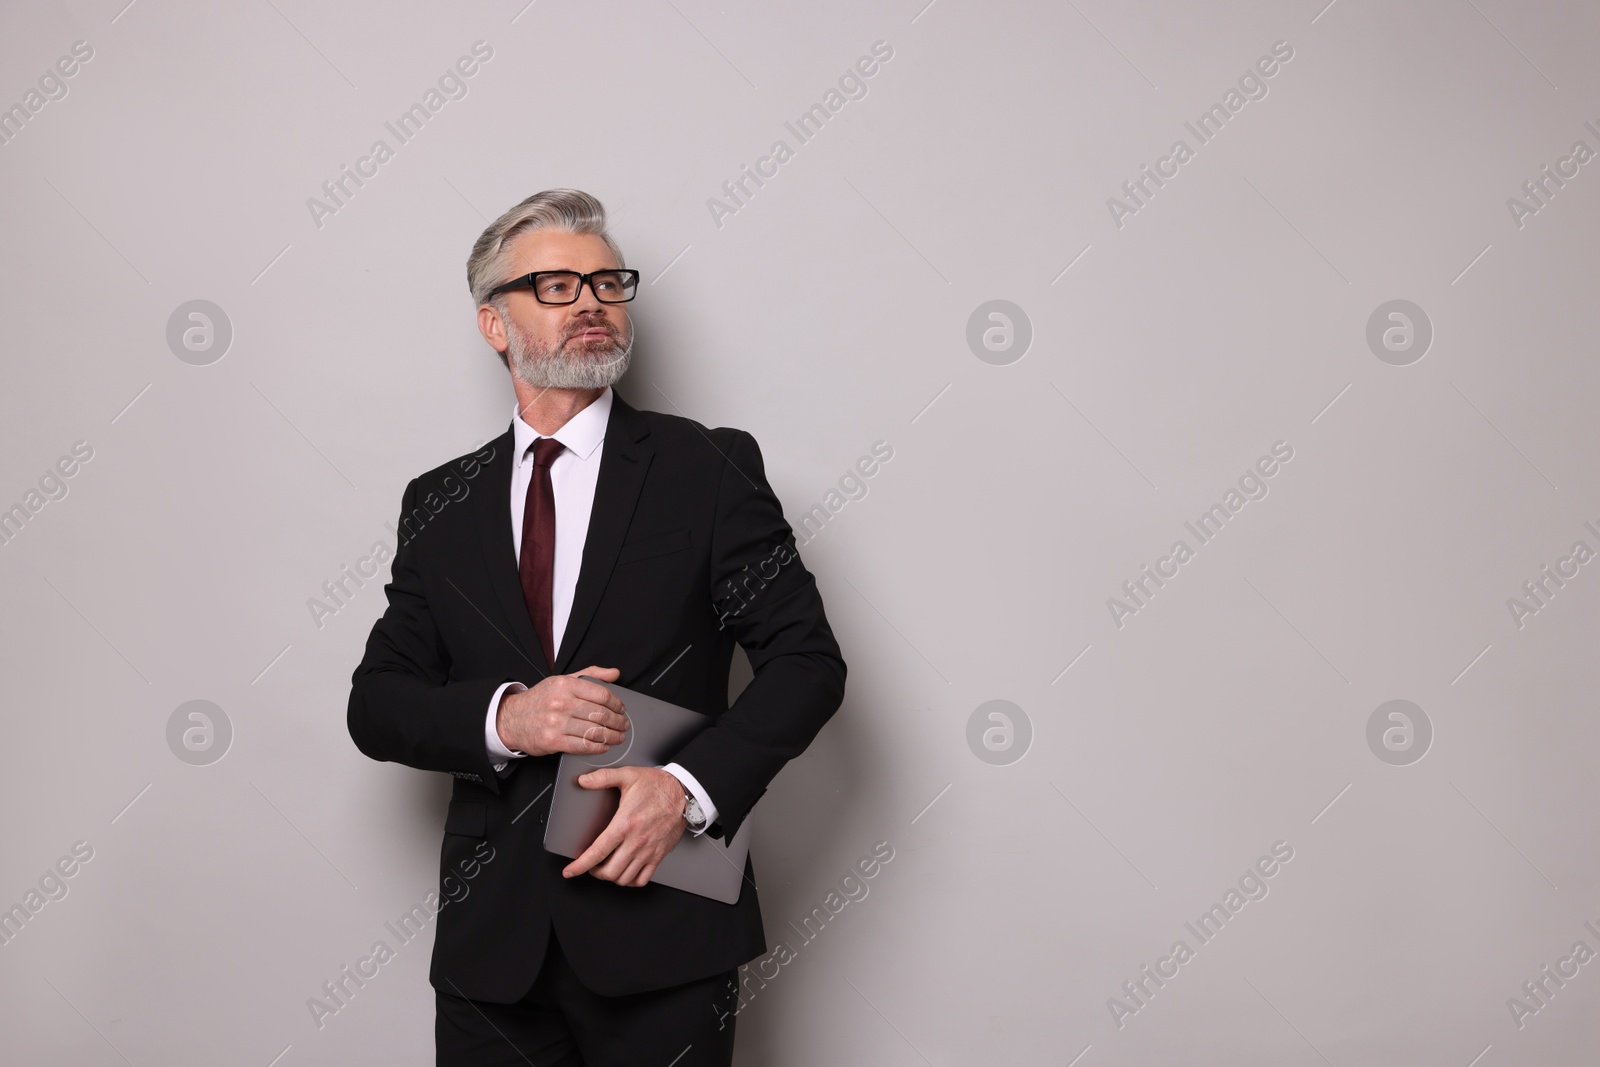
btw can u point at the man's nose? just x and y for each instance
(587, 302)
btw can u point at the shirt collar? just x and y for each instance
(582, 433)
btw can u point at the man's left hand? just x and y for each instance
(648, 823)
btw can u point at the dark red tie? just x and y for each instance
(536, 563)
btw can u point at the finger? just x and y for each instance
(591, 723)
(604, 778)
(605, 871)
(588, 687)
(588, 682)
(635, 868)
(583, 863)
(591, 693)
(593, 854)
(587, 713)
(578, 745)
(585, 860)
(619, 867)
(588, 738)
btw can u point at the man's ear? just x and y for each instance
(493, 327)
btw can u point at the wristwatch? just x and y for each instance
(692, 814)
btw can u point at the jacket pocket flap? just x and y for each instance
(469, 817)
(654, 545)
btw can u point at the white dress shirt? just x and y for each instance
(573, 475)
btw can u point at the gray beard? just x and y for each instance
(569, 367)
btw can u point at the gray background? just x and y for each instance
(829, 313)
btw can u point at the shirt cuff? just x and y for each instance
(693, 785)
(491, 735)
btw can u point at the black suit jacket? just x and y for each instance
(687, 550)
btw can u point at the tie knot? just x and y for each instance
(546, 449)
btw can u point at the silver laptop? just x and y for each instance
(657, 731)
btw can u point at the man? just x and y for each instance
(631, 546)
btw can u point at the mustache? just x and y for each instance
(598, 324)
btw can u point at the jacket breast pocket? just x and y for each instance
(653, 545)
(467, 817)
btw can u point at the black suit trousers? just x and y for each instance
(562, 1023)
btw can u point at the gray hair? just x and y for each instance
(569, 210)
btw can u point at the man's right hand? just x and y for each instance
(563, 713)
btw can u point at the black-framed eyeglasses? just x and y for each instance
(563, 286)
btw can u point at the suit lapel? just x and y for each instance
(499, 554)
(623, 465)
